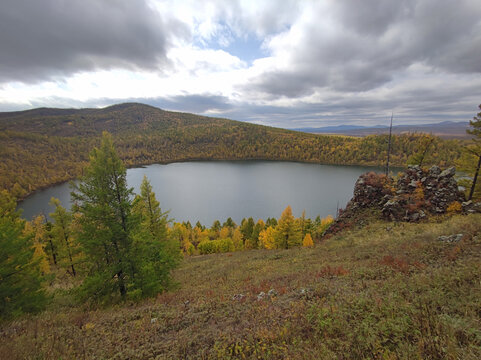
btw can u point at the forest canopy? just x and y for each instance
(42, 147)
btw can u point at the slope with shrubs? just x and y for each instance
(386, 290)
(42, 147)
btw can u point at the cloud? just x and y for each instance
(314, 62)
(359, 46)
(56, 38)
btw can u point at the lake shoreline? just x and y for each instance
(144, 165)
(205, 190)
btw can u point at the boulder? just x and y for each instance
(450, 238)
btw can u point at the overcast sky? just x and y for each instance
(281, 63)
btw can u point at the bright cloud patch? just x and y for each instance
(289, 64)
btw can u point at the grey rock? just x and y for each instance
(261, 296)
(434, 170)
(413, 184)
(449, 172)
(414, 217)
(450, 238)
(271, 293)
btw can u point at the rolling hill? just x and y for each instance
(41, 147)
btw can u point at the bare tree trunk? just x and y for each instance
(389, 147)
(475, 179)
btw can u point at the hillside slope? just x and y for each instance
(387, 290)
(42, 147)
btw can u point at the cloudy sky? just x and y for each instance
(281, 63)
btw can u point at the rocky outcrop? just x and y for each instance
(419, 191)
(414, 195)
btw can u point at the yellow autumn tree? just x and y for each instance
(288, 232)
(224, 232)
(36, 229)
(237, 239)
(266, 238)
(307, 242)
(325, 223)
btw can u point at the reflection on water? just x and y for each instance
(207, 191)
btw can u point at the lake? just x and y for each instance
(208, 191)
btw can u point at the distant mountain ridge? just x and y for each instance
(445, 129)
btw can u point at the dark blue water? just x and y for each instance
(208, 191)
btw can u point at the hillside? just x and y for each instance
(42, 147)
(386, 290)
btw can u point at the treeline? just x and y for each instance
(114, 245)
(283, 233)
(42, 147)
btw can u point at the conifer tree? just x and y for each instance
(62, 238)
(103, 201)
(246, 228)
(288, 233)
(266, 238)
(36, 228)
(153, 253)
(20, 278)
(229, 223)
(307, 242)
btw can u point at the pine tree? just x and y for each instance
(288, 233)
(20, 278)
(103, 201)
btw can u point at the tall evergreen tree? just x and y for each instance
(20, 278)
(104, 202)
(153, 253)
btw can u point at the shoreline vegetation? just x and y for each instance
(42, 147)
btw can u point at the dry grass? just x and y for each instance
(386, 291)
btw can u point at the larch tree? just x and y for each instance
(425, 143)
(266, 238)
(153, 253)
(246, 228)
(61, 237)
(288, 233)
(103, 200)
(307, 242)
(37, 229)
(20, 277)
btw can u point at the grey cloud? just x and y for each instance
(198, 103)
(49, 38)
(376, 40)
(458, 102)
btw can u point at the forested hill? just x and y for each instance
(44, 146)
(115, 119)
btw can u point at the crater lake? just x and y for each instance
(215, 190)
